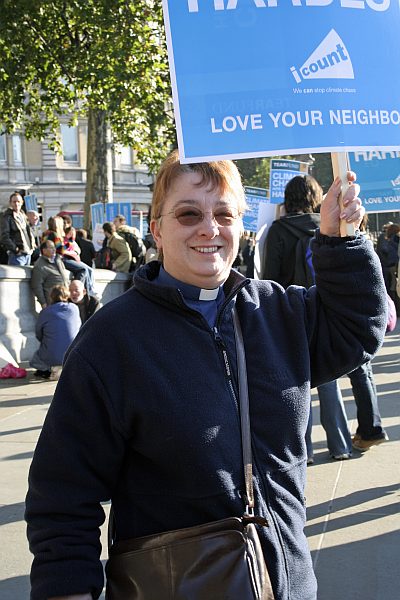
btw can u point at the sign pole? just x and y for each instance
(340, 166)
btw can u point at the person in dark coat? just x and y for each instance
(303, 197)
(86, 304)
(56, 327)
(88, 252)
(146, 414)
(16, 234)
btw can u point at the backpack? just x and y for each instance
(138, 249)
(304, 273)
(103, 258)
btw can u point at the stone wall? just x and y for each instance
(19, 309)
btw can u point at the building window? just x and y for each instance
(2, 148)
(17, 149)
(69, 139)
(126, 156)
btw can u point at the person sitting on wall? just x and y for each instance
(88, 251)
(87, 304)
(121, 253)
(70, 257)
(56, 327)
(47, 272)
(16, 234)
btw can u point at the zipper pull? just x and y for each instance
(218, 338)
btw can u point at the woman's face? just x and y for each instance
(200, 254)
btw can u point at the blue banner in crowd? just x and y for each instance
(378, 174)
(282, 171)
(125, 209)
(112, 210)
(31, 202)
(97, 214)
(268, 77)
(253, 198)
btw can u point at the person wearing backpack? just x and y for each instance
(121, 256)
(135, 242)
(287, 260)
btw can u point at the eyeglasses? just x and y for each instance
(190, 215)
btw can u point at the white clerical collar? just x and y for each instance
(209, 294)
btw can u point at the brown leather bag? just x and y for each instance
(222, 560)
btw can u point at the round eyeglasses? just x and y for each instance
(190, 215)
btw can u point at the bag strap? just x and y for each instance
(244, 413)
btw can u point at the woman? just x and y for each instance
(56, 327)
(69, 254)
(145, 414)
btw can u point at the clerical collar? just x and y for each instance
(189, 292)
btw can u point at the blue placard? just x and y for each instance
(378, 174)
(282, 171)
(97, 214)
(125, 209)
(31, 202)
(112, 210)
(253, 198)
(268, 77)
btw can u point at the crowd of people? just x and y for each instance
(62, 278)
(20, 241)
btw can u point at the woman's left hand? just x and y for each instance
(331, 213)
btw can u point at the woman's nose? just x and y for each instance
(209, 225)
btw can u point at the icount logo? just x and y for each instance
(329, 61)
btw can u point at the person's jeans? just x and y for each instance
(333, 420)
(37, 363)
(82, 272)
(366, 398)
(19, 260)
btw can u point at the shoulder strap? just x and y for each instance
(244, 413)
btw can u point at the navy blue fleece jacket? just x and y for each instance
(143, 414)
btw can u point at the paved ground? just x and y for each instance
(353, 506)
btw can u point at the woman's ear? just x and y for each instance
(156, 232)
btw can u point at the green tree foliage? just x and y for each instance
(66, 57)
(255, 171)
(322, 170)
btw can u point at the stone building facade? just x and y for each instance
(59, 180)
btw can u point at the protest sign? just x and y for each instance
(112, 210)
(125, 209)
(97, 219)
(267, 77)
(282, 171)
(253, 198)
(31, 202)
(378, 173)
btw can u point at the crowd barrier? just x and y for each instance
(19, 308)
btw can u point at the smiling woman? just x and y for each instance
(152, 373)
(196, 219)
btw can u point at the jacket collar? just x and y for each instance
(145, 284)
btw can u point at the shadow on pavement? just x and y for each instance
(26, 401)
(352, 501)
(15, 588)
(20, 456)
(11, 513)
(360, 570)
(22, 430)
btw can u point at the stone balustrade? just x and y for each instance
(19, 308)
